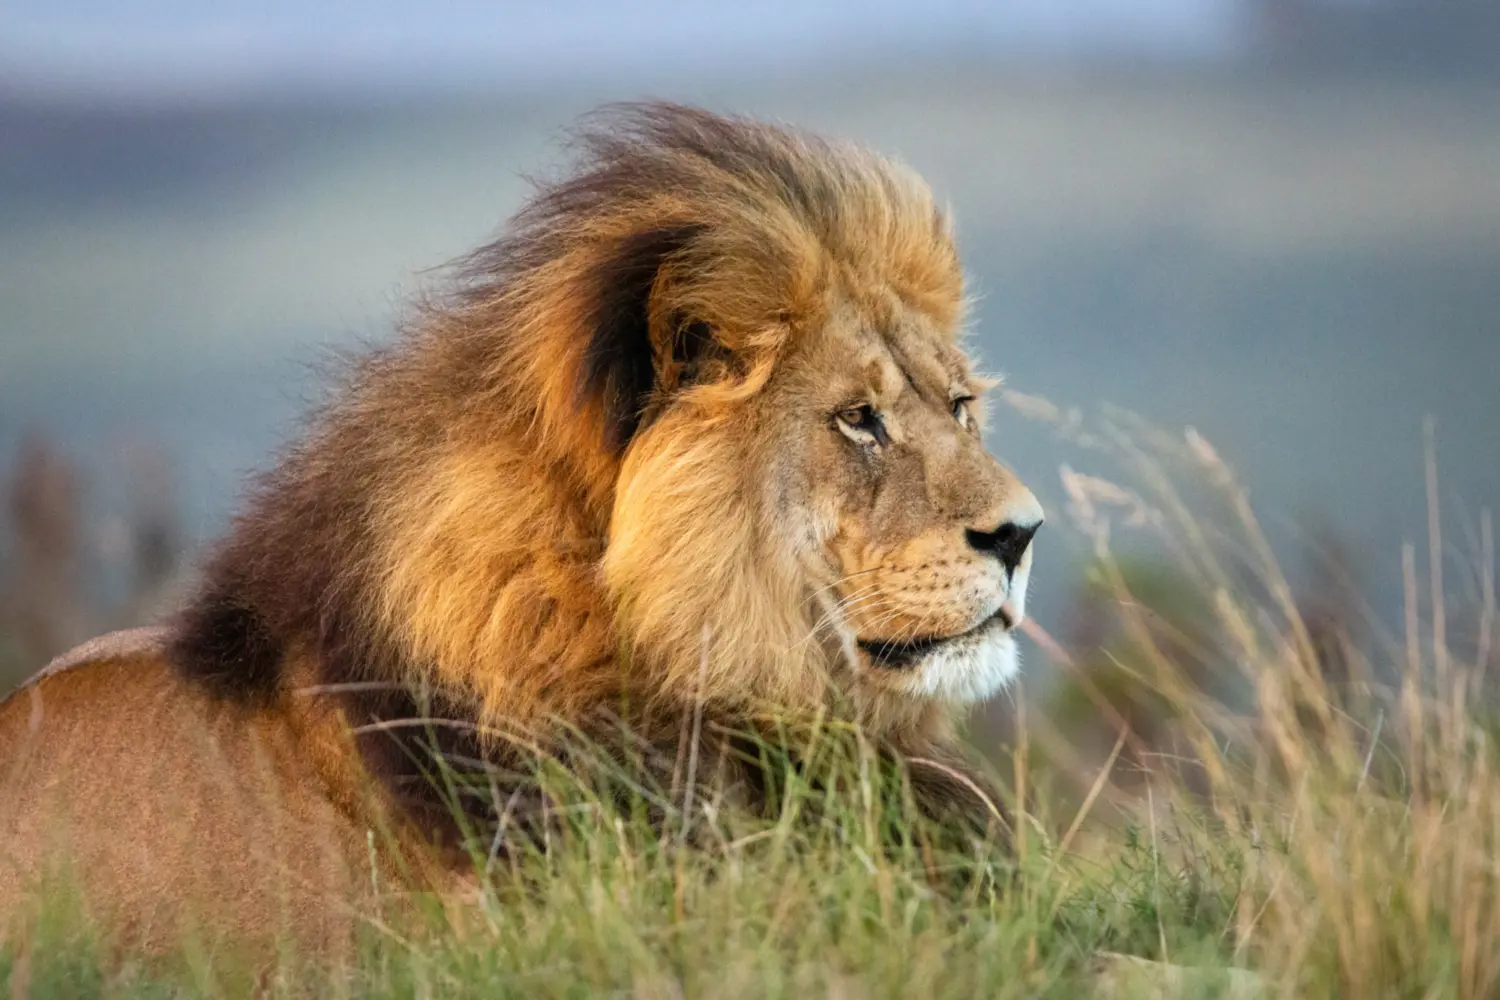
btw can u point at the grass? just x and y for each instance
(837, 904)
(1331, 824)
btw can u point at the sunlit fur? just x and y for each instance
(606, 475)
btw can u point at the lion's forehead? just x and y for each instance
(893, 364)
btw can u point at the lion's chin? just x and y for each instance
(960, 671)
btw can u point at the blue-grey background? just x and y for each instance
(1276, 221)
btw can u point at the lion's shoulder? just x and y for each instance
(104, 678)
(147, 642)
(169, 811)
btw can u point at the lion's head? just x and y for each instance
(699, 426)
(806, 490)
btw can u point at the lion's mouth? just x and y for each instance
(898, 654)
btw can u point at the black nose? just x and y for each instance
(1006, 543)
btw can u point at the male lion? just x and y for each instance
(696, 436)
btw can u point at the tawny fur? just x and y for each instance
(171, 812)
(612, 473)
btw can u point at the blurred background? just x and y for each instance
(1277, 221)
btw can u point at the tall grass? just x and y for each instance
(1318, 809)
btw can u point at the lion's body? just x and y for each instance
(172, 811)
(696, 437)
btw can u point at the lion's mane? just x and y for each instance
(455, 517)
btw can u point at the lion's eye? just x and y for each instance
(961, 409)
(860, 422)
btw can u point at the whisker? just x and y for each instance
(820, 591)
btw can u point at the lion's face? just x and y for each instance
(916, 541)
(847, 509)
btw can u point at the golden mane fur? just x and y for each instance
(447, 518)
(568, 489)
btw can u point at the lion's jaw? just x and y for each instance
(969, 667)
(971, 662)
(963, 671)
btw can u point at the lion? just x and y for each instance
(697, 434)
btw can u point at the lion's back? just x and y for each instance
(163, 808)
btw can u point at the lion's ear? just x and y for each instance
(639, 342)
(690, 353)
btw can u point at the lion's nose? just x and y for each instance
(1008, 543)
